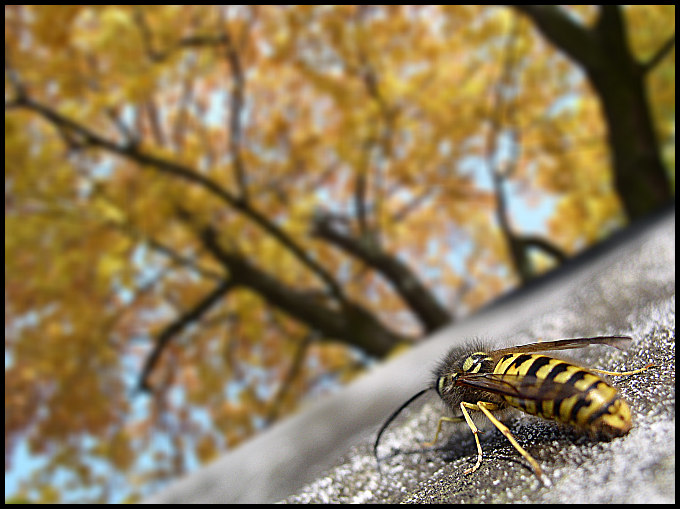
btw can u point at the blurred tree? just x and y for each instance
(278, 194)
(618, 77)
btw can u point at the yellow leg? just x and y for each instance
(439, 428)
(623, 373)
(475, 432)
(471, 424)
(485, 409)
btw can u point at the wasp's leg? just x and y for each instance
(439, 428)
(486, 409)
(622, 373)
(475, 432)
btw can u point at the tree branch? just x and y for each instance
(661, 53)
(13, 77)
(543, 245)
(516, 250)
(129, 135)
(183, 260)
(360, 205)
(417, 296)
(178, 326)
(349, 322)
(236, 111)
(370, 231)
(292, 374)
(236, 97)
(564, 32)
(640, 174)
(517, 244)
(192, 41)
(149, 107)
(133, 153)
(180, 125)
(411, 206)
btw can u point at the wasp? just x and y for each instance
(476, 379)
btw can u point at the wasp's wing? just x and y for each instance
(519, 386)
(620, 342)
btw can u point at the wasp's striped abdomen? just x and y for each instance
(570, 394)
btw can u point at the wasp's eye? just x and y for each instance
(445, 383)
(475, 362)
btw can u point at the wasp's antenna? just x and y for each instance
(391, 418)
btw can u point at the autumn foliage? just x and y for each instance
(212, 213)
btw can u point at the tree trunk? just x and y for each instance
(640, 177)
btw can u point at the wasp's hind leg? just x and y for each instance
(622, 373)
(475, 432)
(486, 408)
(466, 417)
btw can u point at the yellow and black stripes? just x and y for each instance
(554, 389)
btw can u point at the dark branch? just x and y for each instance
(236, 112)
(661, 53)
(292, 374)
(147, 37)
(88, 138)
(417, 296)
(563, 31)
(178, 326)
(545, 246)
(195, 41)
(180, 126)
(348, 322)
(149, 107)
(518, 255)
(129, 135)
(237, 89)
(618, 79)
(183, 260)
(367, 73)
(13, 77)
(412, 205)
(517, 244)
(360, 205)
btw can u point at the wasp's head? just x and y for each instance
(460, 361)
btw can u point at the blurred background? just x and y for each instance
(214, 214)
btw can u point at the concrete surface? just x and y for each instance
(324, 453)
